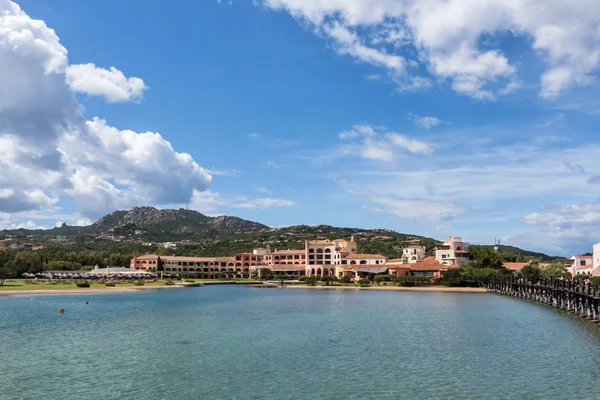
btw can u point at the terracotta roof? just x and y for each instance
(582, 256)
(515, 266)
(395, 261)
(188, 259)
(293, 252)
(327, 241)
(426, 264)
(415, 247)
(361, 256)
(286, 267)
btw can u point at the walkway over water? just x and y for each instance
(578, 296)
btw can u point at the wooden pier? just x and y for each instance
(577, 296)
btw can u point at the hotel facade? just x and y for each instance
(319, 258)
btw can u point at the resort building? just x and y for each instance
(412, 254)
(207, 267)
(286, 262)
(452, 251)
(581, 265)
(427, 266)
(596, 260)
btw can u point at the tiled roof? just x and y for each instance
(363, 256)
(188, 259)
(284, 252)
(327, 241)
(286, 267)
(515, 266)
(426, 264)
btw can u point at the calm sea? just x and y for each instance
(240, 343)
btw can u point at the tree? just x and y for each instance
(5, 273)
(452, 277)
(531, 272)
(266, 274)
(485, 257)
(346, 279)
(160, 265)
(380, 278)
(554, 270)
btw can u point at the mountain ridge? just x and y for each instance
(149, 224)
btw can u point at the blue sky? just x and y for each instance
(437, 118)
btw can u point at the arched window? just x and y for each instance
(353, 262)
(363, 261)
(327, 250)
(319, 250)
(311, 250)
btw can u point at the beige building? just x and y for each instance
(452, 251)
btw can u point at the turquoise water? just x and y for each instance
(240, 343)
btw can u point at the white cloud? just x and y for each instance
(426, 122)
(111, 84)
(262, 203)
(373, 143)
(48, 150)
(223, 172)
(211, 202)
(271, 164)
(448, 36)
(253, 135)
(261, 189)
(418, 209)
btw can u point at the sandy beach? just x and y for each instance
(107, 290)
(397, 288)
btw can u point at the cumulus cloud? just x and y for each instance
(48, 149)
(374, 143)
(211, 202)
(108, 83)
(447, 38)
(417, 208)
(262, 203)
(426, 122)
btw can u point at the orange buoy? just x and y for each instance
(62, 311)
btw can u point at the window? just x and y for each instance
(443, 256)
(583, 263)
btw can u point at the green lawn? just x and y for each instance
(21, 285)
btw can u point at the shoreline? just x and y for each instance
(108, 290)
(396, 288)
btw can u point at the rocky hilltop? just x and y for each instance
(154, 224)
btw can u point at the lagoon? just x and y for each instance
(232, 342)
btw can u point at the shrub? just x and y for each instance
(302, 278)
(169, 283)
(139, 284)
(109, 284)
(364, 283)
(452, 277)
(346, 279)
(310, 281)
(190, 280)
(280, 277)
(83, 284)
(329, 279)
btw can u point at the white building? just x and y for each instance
(452, 251)
(413, 254)
(596, 260)
(583, 265)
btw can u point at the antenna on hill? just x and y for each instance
(496, 244)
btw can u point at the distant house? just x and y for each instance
(581, 265)
(452, 251)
